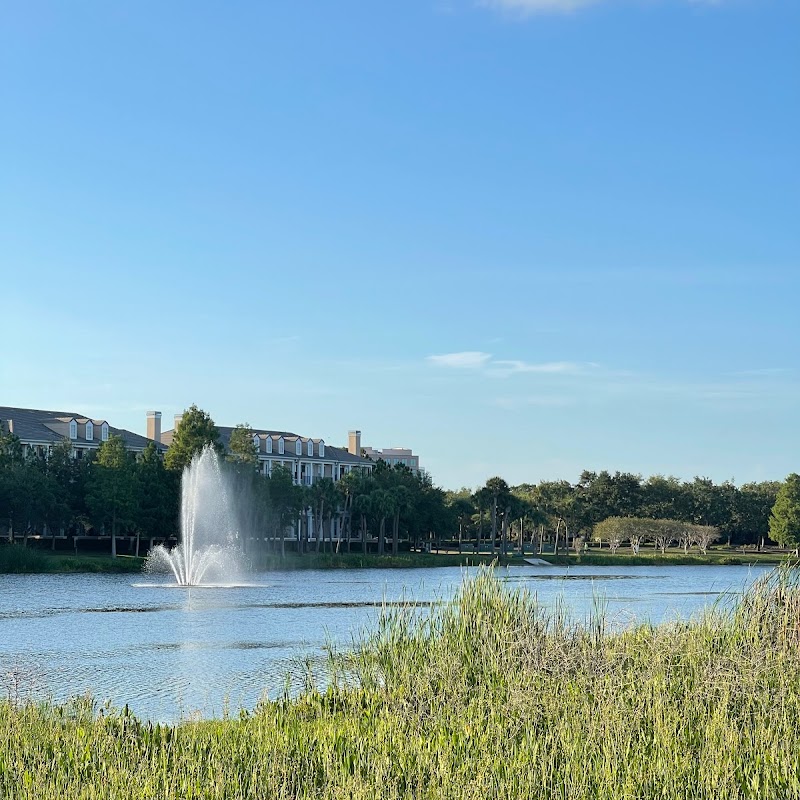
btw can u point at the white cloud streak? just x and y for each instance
(504, 368)
(530, 7)
(469, 359)
(572, 383)
(539, 6)
(512, 367)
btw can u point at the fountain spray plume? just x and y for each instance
(209, 551)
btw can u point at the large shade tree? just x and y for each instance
(754, 502)
(784, 520)
(111, 488)
(242, 447)
(156, 513)
(195, 431)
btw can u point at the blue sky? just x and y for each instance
(522, 237)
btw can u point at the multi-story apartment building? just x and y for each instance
(393, 456)
(39, 431)
(307, 459)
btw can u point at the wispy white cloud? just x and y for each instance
(764, 372)
(541, 401)
(538, 6)
(284, 339)
(468, 359)
(529, 7)
(504, 368)
(578, 383)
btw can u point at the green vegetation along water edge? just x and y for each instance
(489, 696)
(18, 559)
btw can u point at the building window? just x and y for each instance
(298, 447)
(269, 444)
(89, 431)
(256, 442)
(104, 431)
(281, 446)
(310, 447)
(322, 449)
(73, 429)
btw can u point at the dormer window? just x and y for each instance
(73, 429)
(89, 431)
(310, 447)
(256, 442)
(298, 447)
(322, 449)
(104, 432)
(269, 444)
(281, 446)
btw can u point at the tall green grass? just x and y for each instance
(372, 560)
(488, 696)
(15, 558)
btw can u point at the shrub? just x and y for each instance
(16, 558)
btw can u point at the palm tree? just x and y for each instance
(350, 487)
(498, 490)
(362, 505)
(382, 502)
(481, 498)
(323, 495)
(463, 508)
(402, 503)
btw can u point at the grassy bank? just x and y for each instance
(727, 556)
(489, 697)
(406, 560)
(19, 559)
(14, 558)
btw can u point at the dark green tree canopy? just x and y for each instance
(111, 487)
(195, 431)
(784, 521)
(241, 447)
(157, 507)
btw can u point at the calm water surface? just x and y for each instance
(171, 653)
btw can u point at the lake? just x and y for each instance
(173, 653)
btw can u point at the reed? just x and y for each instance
(15, 558)
(489, 695)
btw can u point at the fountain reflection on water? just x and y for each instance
(209, 553)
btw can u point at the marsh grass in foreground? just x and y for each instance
(487, 696)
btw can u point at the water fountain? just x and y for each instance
(208, 554)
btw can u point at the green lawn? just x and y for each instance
(673, 556)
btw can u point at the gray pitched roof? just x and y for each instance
(51, 427)
(343, 455)
(331, 453)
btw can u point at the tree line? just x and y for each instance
(626, 507)
(119, 493)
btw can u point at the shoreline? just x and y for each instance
(15, 559)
